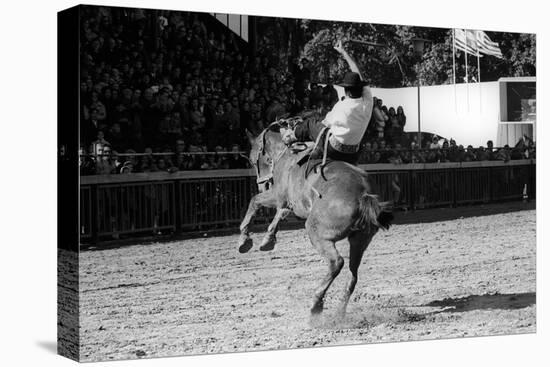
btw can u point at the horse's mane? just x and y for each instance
(273, 127)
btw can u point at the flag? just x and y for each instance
(486, 46)
(465, 40)
(473, 41)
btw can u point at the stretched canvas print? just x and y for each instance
(235, 183)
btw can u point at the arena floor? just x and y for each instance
(462, 277)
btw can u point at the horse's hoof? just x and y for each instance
(317, 309)
(268, 245)
(246, 245)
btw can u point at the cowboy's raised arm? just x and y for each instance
(351, 62)
(367, 94)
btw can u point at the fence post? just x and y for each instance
(411, 190)
(178, 204)
(95, 213)
(454, 186)
(490, 182)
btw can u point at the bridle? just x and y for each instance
(267, 179)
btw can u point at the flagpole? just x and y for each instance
(454, 67)
(478, 67)
(467, 88)
(478, 70)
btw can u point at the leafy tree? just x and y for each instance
(390, 56)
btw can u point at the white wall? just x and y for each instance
(470, 118)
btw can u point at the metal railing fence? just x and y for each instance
(146, 203)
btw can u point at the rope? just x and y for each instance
(317, 141)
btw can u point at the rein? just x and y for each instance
(268, 178)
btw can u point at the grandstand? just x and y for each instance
(160, 89)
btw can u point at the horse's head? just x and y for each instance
(266, 149)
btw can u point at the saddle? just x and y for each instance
(307, 151)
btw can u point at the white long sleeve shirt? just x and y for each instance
(349, 118)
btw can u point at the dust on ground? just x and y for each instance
(456, 278)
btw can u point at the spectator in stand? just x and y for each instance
(105, 165)
(490, 150)
(220, 158)
(257, 123)
(147, 163)
(98, 107)
(218, 130)
(164, 128)
(149, 117)
(469, 155)
(294, 106)
(376, 158)
(98, 144)
(246, 116)
(235, 160)
(185, 114)
(85, 162)
(118, 140)
(385, 151)
(394, 157)
(379, 117)
(406, 156)
(183, 161)
(435, 143)
(401, 118)
(503, 154)
(174, 127)
(482, 154)
(366, 153)
(198, 121)
(275, 110)
(444, 152)
(393, 130)
(231, 120)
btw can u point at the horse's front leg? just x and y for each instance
(268, 243)
(263, 199)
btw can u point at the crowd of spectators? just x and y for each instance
(387, 142)
(162, 82)
(440, 151)
(159, 90)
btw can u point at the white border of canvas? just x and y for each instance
(28, 202)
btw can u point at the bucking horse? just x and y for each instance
(336, 202)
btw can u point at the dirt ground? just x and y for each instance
(464, 277)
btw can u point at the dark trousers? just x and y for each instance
(310, 129)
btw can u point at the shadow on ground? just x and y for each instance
(486, 302)
(466, 211)
(406, 314)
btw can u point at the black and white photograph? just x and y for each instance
(248, 183)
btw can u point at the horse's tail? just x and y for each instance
(373, 212)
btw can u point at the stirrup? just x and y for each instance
(297, 147)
